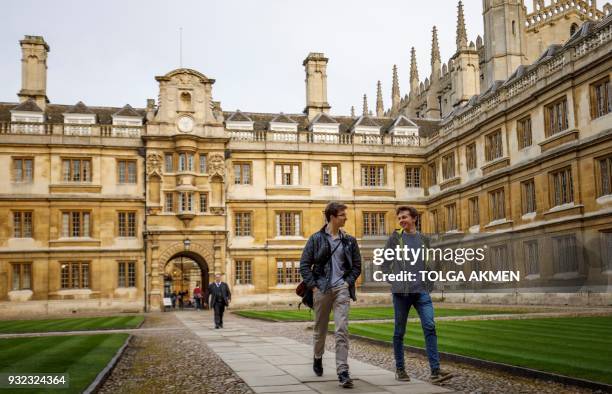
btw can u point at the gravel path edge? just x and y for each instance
(104, 374)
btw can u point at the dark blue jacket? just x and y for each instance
(316, 262)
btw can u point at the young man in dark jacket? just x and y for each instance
(412, 293)
(330, 265)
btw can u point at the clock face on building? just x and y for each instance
(185, 124)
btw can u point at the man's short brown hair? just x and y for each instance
(411, 211)
(333, 209)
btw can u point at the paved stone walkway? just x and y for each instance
(273, 364)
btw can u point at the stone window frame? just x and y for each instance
(84, 274)
(23, 160)
(126, 163)
(21, 265)
(596, 107)
(531, 251)
(552, 116)
(415, 179)
(241, 165)
(338, 174)
(565, 194)
(471, 157)
(203, 195)
(448, 166)
(524, 132)
(499, 256)
(243, 272)
(293, 174)
(494, 145)
(435, 221)
(367, 167)
(474, 211)
(82, 213)
(288, 271)
(128, 230)
(295, 222)
(529, 203)
(603, 178)
(432, 173)
(172, 200)
(82, 173)
(376, 228)
(243, 228)
(127, 278)
(22, 214)
(202, 163)
(497, 204)
(564, 248)
(172, 162)
(451, 217)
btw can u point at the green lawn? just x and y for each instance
(80, 356)
(579, 347)
(365, 313)
(75, 324)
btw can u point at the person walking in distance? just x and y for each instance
(330, 266)
(219, 296)
(197, 296)
(411, 293)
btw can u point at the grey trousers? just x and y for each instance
(339, 299)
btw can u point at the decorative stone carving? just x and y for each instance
(216, 165)
(217, 210)
(154, 164)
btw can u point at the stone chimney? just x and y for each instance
(34, 51)
(316, 84)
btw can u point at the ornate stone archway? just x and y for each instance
(202, 255)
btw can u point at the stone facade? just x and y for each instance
(99, 200)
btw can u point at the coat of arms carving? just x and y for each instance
(154, 163)
(216, 164)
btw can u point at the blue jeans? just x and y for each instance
(422, 303)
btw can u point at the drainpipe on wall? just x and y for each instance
(143, 152)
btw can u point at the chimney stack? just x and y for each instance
(316, 84)
(34, 51)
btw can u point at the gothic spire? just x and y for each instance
(435, 48)
(380, 110)
(395, 91)
(365, 105)
(414, 71)
(461, 32)
(352, 111)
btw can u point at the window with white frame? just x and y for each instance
(243, 272)
(288, 224)
(330, 173)
(287, 174)
(76, 224)
(169, 202)
(185, 202)
(288, 272)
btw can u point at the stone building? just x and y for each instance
(115, 207)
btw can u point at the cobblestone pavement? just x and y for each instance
(170, 360)
(468, 379)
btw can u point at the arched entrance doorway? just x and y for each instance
(182, 273)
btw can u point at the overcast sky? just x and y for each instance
(108, 53)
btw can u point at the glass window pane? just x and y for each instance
(16, 276)
(86, 226)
